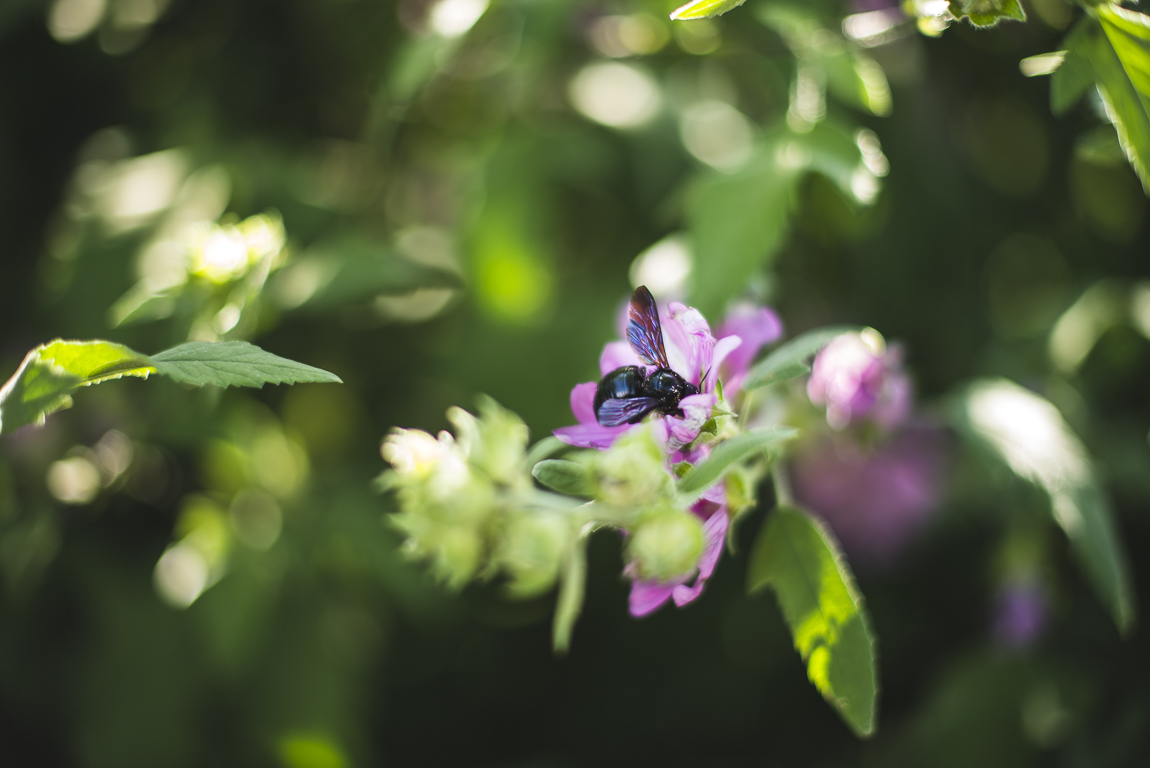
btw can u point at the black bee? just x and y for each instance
(627, 394)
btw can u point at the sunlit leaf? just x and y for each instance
(1028, 434)
(234, 364)
(51, 372)
(572, 587)
(797, 558)
(987, 13)
(728, 453)
(1112, 48)
(858, 80)
(704, 9)
(833, 151)
(789, 360)
(1124, 76)
(567, 477)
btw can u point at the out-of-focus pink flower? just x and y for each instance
(857, 376)
(874, 500)
(692, 352)
(1020, 612)
(647, 594)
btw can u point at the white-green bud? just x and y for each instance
(666, 544)
(457, 553)
(532, 550)
(495, 443)
(633, 473)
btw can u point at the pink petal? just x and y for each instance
(696, 410)
(590, 435)
(756, 326)
(616, 354)
(688, 340)
(583, 402)
(646, 596)
(723, 347)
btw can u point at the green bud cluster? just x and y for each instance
(633, 473)
(665, 543)
(467, 502)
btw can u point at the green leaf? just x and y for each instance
(234, 364)
(737, 222)
(1112, 48)
(788, 361)
(728, 453)
(571, 590)
(833, 151)
(50, 373)
(547, 446)
(1028, 434)
(704, 9)
(797, 558)
(1075, 75)
(567, 477)
(858, 80)
(987, 13)
(1123, 72)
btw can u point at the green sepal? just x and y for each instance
(789, 360)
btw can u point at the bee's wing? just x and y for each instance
(644, 331)
(616, 410)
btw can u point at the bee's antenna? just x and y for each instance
(704, 379)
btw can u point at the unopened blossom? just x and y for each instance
(857, 376)
(649, 594)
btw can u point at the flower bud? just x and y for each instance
(857, 376)
(532, 550)
(633, 472)
(666, 544)
(413, 453)
(457, 554)
(495, 443)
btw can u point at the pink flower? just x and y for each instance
(648, 595)
(692, 351)
(856, 376)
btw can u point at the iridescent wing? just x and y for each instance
(617, 410)
(644, 331)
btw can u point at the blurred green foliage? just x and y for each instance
(455, 194)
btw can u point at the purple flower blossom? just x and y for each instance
(874, 500)
(1020, 613)
(647, 595)
(691, 351)
(857, 376)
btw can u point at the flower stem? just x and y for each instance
(783, 495)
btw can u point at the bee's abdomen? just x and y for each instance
(620, 383)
